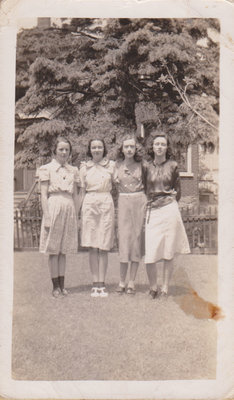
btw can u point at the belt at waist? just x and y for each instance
(130, 193)
(65, 194)
(95, 191)
(158, 203)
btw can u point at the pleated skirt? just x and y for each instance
(97, 221)
(165, 234)
(62, 237)
(131, 215)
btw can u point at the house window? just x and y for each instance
(187, 173)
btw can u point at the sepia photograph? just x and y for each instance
(115, 216)
(103, 98)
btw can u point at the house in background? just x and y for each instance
(208, 175)
(199, 171)
(24, 178)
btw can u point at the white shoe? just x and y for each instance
(103, 292)
(94, 292)
(64, 292)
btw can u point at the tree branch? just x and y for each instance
(93, 37)
(185, 99)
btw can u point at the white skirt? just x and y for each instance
(97, 221)
(165, 234)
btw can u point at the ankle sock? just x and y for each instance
(55, 282)
(61, 282)
(131, 285)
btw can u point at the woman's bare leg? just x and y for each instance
(133, 271)
(152, 276)
(53, 265)
(103, 262)
(167, 272)
(123, 273)
(94, 263)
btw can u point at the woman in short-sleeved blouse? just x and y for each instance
(164, 230)
(97, 213)
(131, 210)
(58, 181)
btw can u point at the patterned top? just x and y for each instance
(97, 177)
(61, 178)
(128, 179)
(162, 183)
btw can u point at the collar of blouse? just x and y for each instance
(104, 162)
(56, 165)
(159, 164)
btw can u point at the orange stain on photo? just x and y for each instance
(195, 305)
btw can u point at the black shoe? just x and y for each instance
(120, 289)
(153, 293)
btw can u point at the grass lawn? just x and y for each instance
(116, 338)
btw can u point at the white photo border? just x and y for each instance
(191, 389)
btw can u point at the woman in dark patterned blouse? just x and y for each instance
(164, 231)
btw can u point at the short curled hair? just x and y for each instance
(139, 149)
(58, 140)
(89, 154)
(152, 137)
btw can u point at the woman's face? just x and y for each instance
(129, 148)
(97, 150)
(160, 146)
(62, 152)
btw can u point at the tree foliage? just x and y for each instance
(104, 77)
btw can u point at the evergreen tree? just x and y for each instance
(97, 76)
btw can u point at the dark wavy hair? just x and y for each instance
(152, 137)
(58, 140)
(139, 149)
(89, 154)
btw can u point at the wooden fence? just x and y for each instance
(200, 225)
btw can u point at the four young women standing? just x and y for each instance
(164, 231)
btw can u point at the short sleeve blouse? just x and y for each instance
(97, 177)
(60, 178)
(128, 178)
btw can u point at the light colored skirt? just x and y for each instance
(62, 237)
(131, 214)
(97, 221)
(165, 234)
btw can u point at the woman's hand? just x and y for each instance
(47, 223)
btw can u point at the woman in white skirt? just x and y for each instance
(164, 230)
(59, 187)
(97, 213)
(131, 210)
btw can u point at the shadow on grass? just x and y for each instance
(140, 288)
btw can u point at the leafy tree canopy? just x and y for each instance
(106, 76)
